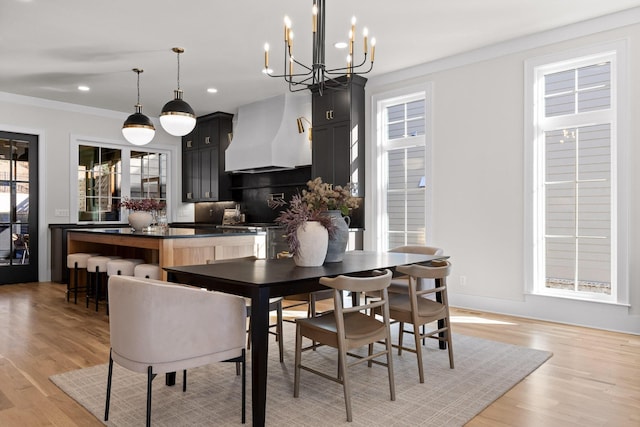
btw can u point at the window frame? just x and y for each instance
(77, 141)
(536, 125)
(379, 236)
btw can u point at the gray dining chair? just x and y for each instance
(400, 284)
(417, 309)
(347, 329)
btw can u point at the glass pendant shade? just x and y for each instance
(177, 117)
(138, 128)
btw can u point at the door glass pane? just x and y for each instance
(15, 215)
(5, 210)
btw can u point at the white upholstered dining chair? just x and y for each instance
(157, 327)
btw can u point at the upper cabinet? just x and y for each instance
(338, 133)
(203, 172)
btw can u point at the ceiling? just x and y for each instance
(49, 48)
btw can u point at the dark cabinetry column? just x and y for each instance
(203, 174)
(338, 148)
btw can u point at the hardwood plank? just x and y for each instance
(593, 378)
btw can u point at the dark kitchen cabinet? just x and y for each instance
(338, 147)
(203, 172)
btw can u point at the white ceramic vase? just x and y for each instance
(139, 220)
(314, 239)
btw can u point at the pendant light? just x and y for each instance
(177, 117)
(138, 129)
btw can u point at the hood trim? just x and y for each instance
(266, 137)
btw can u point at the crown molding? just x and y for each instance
(556, 35)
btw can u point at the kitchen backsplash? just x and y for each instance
(260, 197)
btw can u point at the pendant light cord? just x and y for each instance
(178, 70)
(138, 72)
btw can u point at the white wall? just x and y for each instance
(55, 123)
(478, 172)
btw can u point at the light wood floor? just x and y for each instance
(593, 379)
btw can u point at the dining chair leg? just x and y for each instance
(449, 343)
(400, 335)
(150, 376)
(184, 380)
(416, 335)
(244, 385)
(108, 400)
(279, 331)
(346, 384)
(392, 384)
(296, 370)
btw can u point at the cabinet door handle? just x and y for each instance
(189, 195)
(189, 144)
(207, 194)
(207, 140)
(331, 114)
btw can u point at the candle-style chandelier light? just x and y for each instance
(317, 74)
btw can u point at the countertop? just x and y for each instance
(169, 233)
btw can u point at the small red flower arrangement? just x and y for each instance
(147, 205)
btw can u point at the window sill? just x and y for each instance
(578, 299)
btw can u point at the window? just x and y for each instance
(574, 179)
(106, 174)
(403, 170)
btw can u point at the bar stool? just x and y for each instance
(97, 266)
(119, 267)
(122, 267)
(148, 271)
(76, 262)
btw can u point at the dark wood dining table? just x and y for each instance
(261, 279)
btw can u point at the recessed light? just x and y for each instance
(212, 90)
(340, 45)
(83, 88)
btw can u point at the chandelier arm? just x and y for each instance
(291, 75)
(353, 69)
(295, 61)
(335, 71)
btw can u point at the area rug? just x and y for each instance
(484, 371)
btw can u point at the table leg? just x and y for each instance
(259, 353)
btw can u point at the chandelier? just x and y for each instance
(317, 74)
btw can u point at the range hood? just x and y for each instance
(266, 138)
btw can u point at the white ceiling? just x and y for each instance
(50, 47)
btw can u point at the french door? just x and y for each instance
(18, 208)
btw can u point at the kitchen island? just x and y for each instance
(172, 247)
